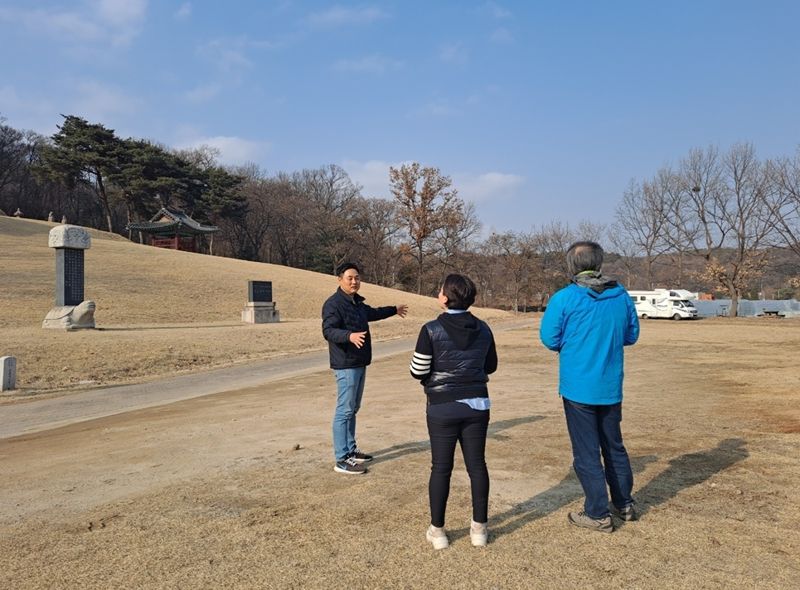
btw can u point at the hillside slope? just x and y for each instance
(161, 311)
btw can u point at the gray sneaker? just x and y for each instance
(627, 514)
(350, 467)
(581, 519)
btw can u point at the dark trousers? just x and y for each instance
(449, 423)
(594, 432)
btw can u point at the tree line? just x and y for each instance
(719, 222)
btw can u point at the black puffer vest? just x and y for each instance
(456, 374)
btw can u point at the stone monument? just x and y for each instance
(8, 373)
(71, 312)
(260, 308)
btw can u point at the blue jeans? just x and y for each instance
(349, 389)
(594, 432)
(449, 423)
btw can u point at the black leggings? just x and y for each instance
(447, 423)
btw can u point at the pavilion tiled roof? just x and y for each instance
(170, 222)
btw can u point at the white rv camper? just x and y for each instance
(664, 303)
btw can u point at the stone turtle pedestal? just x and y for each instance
(70, 312)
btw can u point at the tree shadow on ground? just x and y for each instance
(409, 448)
(689, 470)
(565, 492)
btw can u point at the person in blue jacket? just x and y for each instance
(588, 323)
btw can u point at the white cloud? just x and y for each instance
(230, 54)
(184, 11)
(105, 21)
(99, 102)
(227, 54)
(233, 151)
(438, 107)
(69, 25)
(203, 93)
(372, 175)
(453, 53)
(488, 186)
(501, 35)
(372, 64)
(497, 11)
(28, 112)
(120, 13)
(339, 16)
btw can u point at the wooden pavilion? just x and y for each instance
(173, 229)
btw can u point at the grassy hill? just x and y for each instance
(162, 311)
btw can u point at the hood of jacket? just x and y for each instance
(463, 328)
(594, 281)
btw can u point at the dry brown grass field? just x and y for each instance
(236, 490)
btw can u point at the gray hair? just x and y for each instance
(583, 256)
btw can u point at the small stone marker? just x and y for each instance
(8, 373)
(71, 312)
(260, 308)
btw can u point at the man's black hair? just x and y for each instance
(459, 290)
(345, 266)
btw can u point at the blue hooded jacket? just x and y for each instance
(589, 330)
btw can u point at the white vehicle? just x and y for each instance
(664, 303)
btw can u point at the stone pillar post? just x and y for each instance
(8, 373)
(71, 312)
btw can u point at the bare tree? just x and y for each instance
(460, 227)
(250, 234)
(550, 243)
(729, 197)
(515, 254)
(784, 200)
(641, 217)
(628, 251)
(378, 228)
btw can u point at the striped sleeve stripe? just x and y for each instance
(421, 363)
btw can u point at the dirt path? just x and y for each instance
(29, 415)
(237, 490)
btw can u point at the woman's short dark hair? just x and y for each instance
(583, 256)
(345, 266)
(459, 290)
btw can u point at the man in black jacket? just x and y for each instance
(345, 325)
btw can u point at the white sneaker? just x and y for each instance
(437, 537)
(478, 534)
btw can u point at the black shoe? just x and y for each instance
(627, 514)
(360, 457)
(349, 466)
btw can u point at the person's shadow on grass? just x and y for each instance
(409, 448)
(683, 472)
(689, 470)
(565, 492)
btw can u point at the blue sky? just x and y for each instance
(539, 111)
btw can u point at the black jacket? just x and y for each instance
(341, 316)
(454, 356)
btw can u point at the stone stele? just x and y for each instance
(70, 317)
(69, 236)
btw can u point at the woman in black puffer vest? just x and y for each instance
(454, 356)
